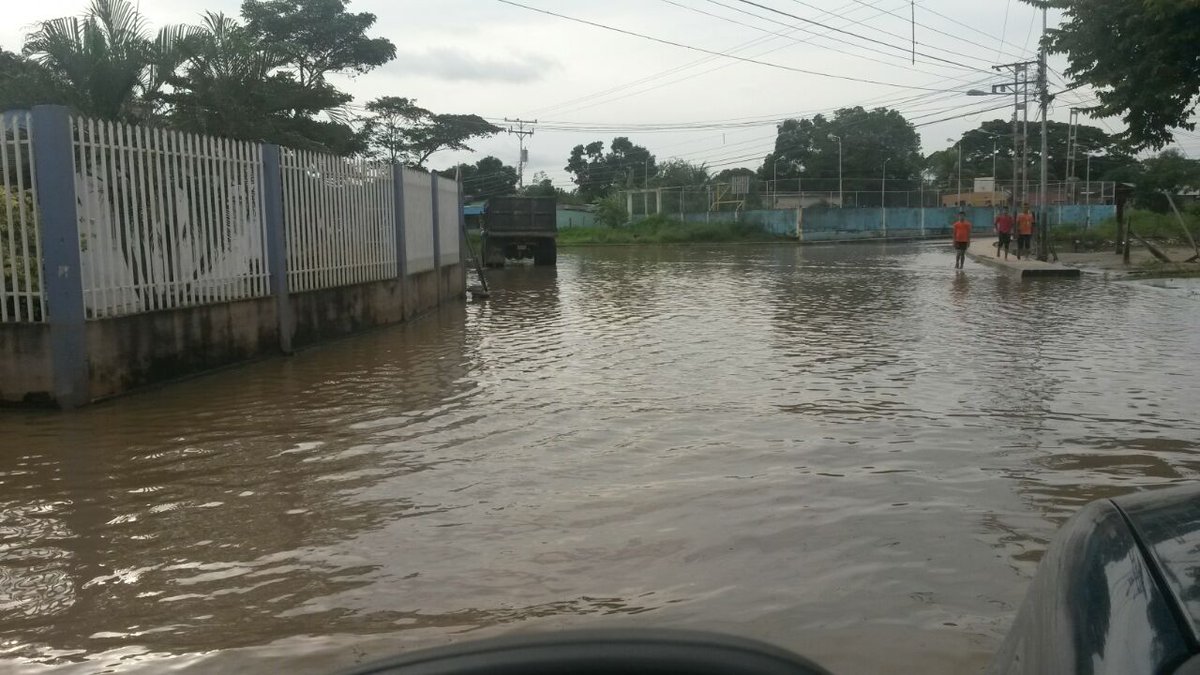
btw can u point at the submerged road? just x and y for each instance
(822, 447)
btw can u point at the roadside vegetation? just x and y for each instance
(1157, 227)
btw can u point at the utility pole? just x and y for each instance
(1072, 143)
(521, 132)
(1020, 85)
(883, 196)
(1044, 96)
(841, 199)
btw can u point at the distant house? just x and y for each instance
(473, 214)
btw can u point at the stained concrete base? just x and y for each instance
(984, 251)
(129, 352)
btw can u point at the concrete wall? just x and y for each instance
(132, 351)
(782, 222)
(568, 218)
(835, 224)
(26, 377)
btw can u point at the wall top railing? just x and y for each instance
(163, 219)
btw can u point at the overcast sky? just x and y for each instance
(497, 60)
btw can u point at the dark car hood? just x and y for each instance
(1166, 524)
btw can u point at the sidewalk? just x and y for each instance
(984, 251)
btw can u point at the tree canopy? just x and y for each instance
(398, 129)
(315, 37)
(489, 177)
(596, 172)
(1108, 151)
(1141, 56)
(807, 148)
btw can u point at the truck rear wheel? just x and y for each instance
(493, 252)
(546, 253)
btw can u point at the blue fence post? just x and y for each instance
(437, 245)
(398, 206)
(277, 242)
(62, 282)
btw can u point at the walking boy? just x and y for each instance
(1004, 228)
(962, 239)
(1024, 231)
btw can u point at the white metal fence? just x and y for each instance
(166, 219)
(339, 217)
(21, 296)
(418, 221)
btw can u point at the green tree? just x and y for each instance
(1108, 151)
(314, 38)
(489, 177)
(107, 61)
(597, 173)
(233, 85)
(1169, 171)
(1143, 59)
(806, 149)
(25, 83)
(540, 186)
(398, 129)
(679, 172)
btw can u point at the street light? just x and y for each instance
(841, 195)
(958, 144)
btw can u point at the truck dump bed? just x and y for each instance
(534, 216)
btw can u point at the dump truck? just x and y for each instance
(516, 228)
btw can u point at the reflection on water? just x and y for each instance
(807, 445)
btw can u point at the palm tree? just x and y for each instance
(107, 59)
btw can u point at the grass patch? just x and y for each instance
(1158, 227)
(663, 230)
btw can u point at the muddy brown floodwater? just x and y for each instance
(849, 451)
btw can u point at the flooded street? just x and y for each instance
(826, 448)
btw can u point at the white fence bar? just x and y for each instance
(418, 221)
(21, 292)
(339, 217)
(166, 220)
(447, 226)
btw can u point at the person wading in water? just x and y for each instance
(1004, 228)
(1024, 232)
(962, 239)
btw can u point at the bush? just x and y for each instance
(1147, 224)
(11, 264)
(611, 212)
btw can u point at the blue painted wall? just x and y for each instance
(1077, 214)
(778, 221)
(834, 224)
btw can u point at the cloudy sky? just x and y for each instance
(585, 83)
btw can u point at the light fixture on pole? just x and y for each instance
(841, 195)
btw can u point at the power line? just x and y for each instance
(855, 35)
(590, 98)
(702, 50)
(814, 34)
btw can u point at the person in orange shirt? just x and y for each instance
(1025, 222)
(1004, 228)
(962, 239)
